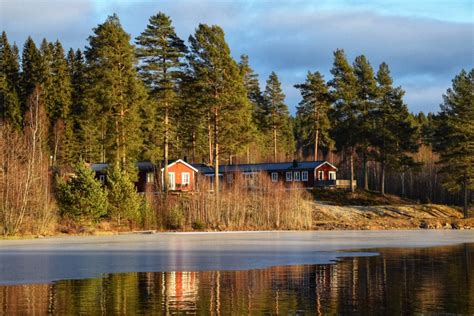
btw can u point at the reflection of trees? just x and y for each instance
(399, 281)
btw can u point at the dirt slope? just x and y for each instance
(388, 217)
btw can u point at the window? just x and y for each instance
(296, 176)
(274, 176)
(304, 176)
(321, 175)
(289, 176)
(102, 178)
(332, 175)
(185, 178)
(150, 178)
(230, 178)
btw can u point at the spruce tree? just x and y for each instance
(10, 110)
(345, 112)
(222, 93)
(123, 199)
(312, 112)
(31, 71)
(277, 117)
(454, 136)
(114, 92)
(161, 52)
(366, 98)
(397, 135)
(82, 197)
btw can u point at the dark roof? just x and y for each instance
(278, 166)
(203, 168)
(141, 165)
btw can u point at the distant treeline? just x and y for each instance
(157, 97)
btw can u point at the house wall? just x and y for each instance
(325, 168)
(178, 168)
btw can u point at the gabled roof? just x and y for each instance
(203, 168)
(183, 162)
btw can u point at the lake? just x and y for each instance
(386, 272)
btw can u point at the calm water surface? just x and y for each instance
(398, 281)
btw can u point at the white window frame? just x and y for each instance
(296, 176)
(304, 176)
(274, 176)
(332, 175)
(321, 175)
(150, 177)
(187, 176)
(102, 178)
(230, 178)
(289, 176)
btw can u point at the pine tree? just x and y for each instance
(10, 110)
(312, 112)
(397, 135)
(255, 96)
(277, 117)
(345, 112)
(454, 136)
(366, 94)
(115, 94)
(222, 93)
(161, 52)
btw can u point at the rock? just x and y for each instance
(424, 225)
(447, 226)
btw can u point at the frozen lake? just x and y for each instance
(52, 259)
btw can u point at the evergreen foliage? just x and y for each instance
(10, 110)
(114, 95)
(161, 52)
(123, 200)
(346, 111)
(276, 119)
(454, 135)
(81, 198)
(221, 92)
(312, 113)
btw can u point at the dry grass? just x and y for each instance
(261, 205)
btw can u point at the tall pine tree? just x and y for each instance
(114, 92)
(277, 118)
(346, 111)
(454, 136)
(222, 93)
(312, 112)
(161, 52)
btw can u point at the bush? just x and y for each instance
(82, 198)
(198, 225)
(175, 218)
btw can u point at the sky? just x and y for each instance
(425, 43)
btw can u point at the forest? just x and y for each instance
(157, 97)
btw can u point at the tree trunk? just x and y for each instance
(194, 147)
(352, 170)
(465, 207)
(366, 174)
(382, 177)
(165, 152)
(316, 139)
(216, 152)
(209, 136)
(274, 143)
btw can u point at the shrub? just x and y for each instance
(82, 198)
(175, 218)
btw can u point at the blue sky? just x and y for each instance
(425, 43)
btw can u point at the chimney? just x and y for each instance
(185, 158)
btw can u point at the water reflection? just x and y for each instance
(399, 281)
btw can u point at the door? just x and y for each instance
(171, 181)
